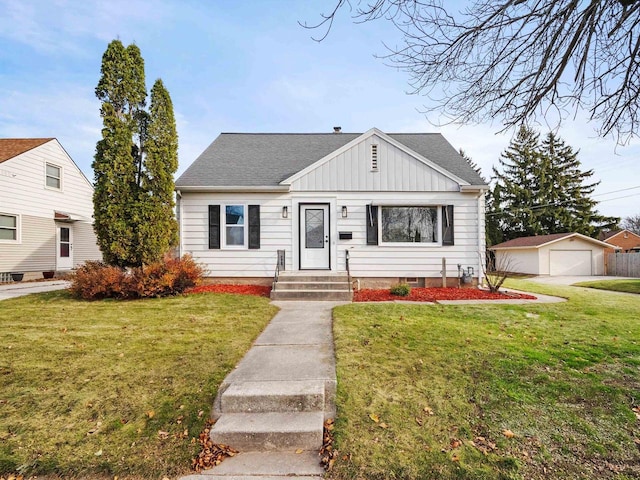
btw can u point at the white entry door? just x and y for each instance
(64, 248)
(314, 237)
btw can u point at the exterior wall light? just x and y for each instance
(285, 211)
(344, 211)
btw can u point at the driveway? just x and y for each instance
(570, 279)
(12, 290)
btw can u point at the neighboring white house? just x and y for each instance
(46, 209)
(397, 203)
(555, 254)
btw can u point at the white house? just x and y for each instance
(555, 254)
(46, 209)
(395, 205)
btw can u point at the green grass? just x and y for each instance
(627, 286)
(115, 388)
(562, 377)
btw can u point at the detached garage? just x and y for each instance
(556, 254)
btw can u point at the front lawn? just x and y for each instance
(531, 391)
(627, 286)
(112, 387)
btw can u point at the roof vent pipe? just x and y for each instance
(337, 129)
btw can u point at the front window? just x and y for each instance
(235, 231)
(8, 227)
(409, 224)
(54, 177)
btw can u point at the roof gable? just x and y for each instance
(398, 168)
(538, 241)
(12, 147)
(270, 159)
(610, 237)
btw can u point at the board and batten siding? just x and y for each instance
(351, 171)
(23, 192)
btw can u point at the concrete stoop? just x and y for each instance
(312, 287)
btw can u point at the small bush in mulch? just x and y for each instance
(257, 290)
(400, 290)
(171, 276)
(434, 294)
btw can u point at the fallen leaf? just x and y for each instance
(98, 453)
(455, 443)
(428, 410)
(162, 434)
(299, 451)
(383, 425)
(419, 421)
(455, 458)
(151, 414)
(374, 417)
(508, 433)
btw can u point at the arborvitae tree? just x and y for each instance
(541, 190)
(130, 227)
(160, 164)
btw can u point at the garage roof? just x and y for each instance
(538, 241)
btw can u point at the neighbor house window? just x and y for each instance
(54, 176)
(234, 226)
(8, 227)
(409, 225)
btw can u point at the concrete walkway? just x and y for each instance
(271, 407)
(19, 289)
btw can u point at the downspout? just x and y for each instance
(179, 215)
(481, 239)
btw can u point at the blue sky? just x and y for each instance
(242, 67)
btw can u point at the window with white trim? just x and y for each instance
(53, 176)
(9, 228)
(410, 225)
(234, 231)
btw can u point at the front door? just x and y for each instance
(314, 236)
(64, 248)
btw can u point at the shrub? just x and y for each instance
(172, 276)
(401, 290)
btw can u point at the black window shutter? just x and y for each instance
(254, 226)
(214, 226)
(447, 225)
(372, 225)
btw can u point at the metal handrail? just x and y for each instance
(348, 270)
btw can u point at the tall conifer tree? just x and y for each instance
(130, 226)
(540, 190)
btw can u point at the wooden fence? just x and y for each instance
(623, 264)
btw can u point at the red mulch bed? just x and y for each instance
(257, 290)
(433, 294)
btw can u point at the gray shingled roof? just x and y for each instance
(266, 159)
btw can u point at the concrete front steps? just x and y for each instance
(312, 286)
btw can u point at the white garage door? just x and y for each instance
(570, 262)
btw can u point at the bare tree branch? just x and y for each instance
(516, 60)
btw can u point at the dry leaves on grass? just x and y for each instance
(327, 453)
(212, 454)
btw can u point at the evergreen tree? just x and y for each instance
(541, 190)
(471, 163)
(515, 189)
(160, 163)
(132, 225)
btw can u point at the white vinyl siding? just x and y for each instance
(397, 172)
(24, 191)
(277, 233)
